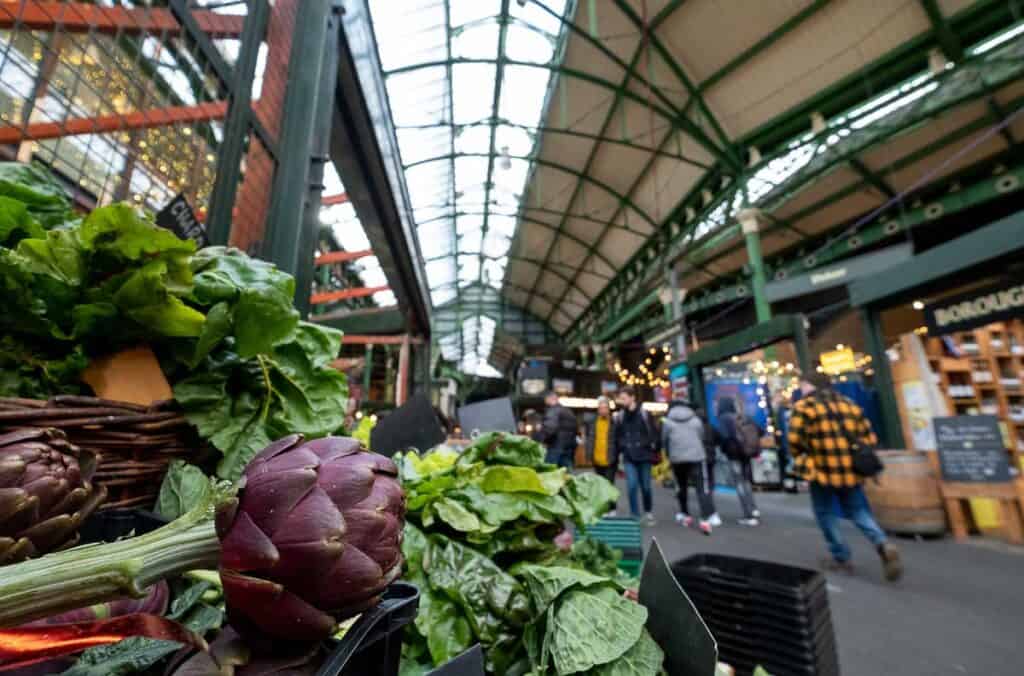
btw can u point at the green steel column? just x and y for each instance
(236, 127)
(750, 221)
(283, 238)
(367, 371)
(892, 429)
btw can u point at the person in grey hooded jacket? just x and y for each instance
(682, 436)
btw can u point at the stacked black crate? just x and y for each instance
(763, 614)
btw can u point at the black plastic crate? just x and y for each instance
(795, 623)
(373, 646)
(114, 524)
(751, 576)
(763, 613)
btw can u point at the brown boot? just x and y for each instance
(830, 565)
(891, 562)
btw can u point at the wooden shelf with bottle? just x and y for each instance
(988, 365)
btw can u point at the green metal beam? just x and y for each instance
(762, 45)
(499, 78)
(683, 123)
(575, 133)
(620, 93)
(631, 73)
(583, 176)
(944, 35)
(933, 105)
(872, 178)
(731, 156)
(451, 119)
(981, 19)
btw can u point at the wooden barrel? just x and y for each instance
(906, 499)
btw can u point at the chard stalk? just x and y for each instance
(101, 572)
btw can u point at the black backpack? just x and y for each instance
(750, 437)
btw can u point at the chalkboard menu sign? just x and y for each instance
(971, 449)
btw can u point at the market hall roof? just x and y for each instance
(565, 153)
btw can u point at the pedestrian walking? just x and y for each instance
(712, 442)
(682, 437)
(825, 431)
(600, 442)
(636, 441)
(740, 444)
(558, 432)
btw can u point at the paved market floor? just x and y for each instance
(959, 610)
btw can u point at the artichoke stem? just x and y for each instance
(98, 573)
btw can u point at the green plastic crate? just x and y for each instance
(622, 533)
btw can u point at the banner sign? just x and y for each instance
(838, 274)
(179, 218)
(835, 362)
(976, 308)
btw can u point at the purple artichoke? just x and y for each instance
(312, 537)
(46, 492)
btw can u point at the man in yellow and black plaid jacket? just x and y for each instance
(823, 428)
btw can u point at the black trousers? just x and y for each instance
(702, 480)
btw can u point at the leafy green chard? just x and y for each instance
(243, 366)
(478, 543)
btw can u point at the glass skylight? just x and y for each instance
(465, 122)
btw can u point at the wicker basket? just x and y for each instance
(134, 444)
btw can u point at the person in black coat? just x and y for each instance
(558, 432)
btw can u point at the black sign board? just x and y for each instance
(976, 308)
(414, 424)
(492, 415)
(673, 621)
(971, 449)
(179, 218)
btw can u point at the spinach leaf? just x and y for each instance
(183, 487)
(130, 656)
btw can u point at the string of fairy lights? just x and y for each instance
(652, 371)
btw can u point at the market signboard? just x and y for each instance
(835, 362)
(838, 274)
(971, 449)
(994, 303)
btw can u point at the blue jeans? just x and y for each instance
(830, 504)
(638, 480)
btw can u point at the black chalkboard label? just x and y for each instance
(971, 449)
(179, 218)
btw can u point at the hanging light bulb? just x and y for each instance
(506, 161)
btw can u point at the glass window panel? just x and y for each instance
(469, 268)
(469, 171)
(474, 139)
(479, 41)
(495, 244)
(440, 272)
(522, 94)
(440, 297)
(465, 12)
(535, 15)
(518, 140)
(501, 224)
(472, 91)
(524, 44)
(472, 241)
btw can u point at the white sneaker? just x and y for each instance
(684, 520)
(756, 513)
(749, 522)
(715, 520)
(649, 519)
